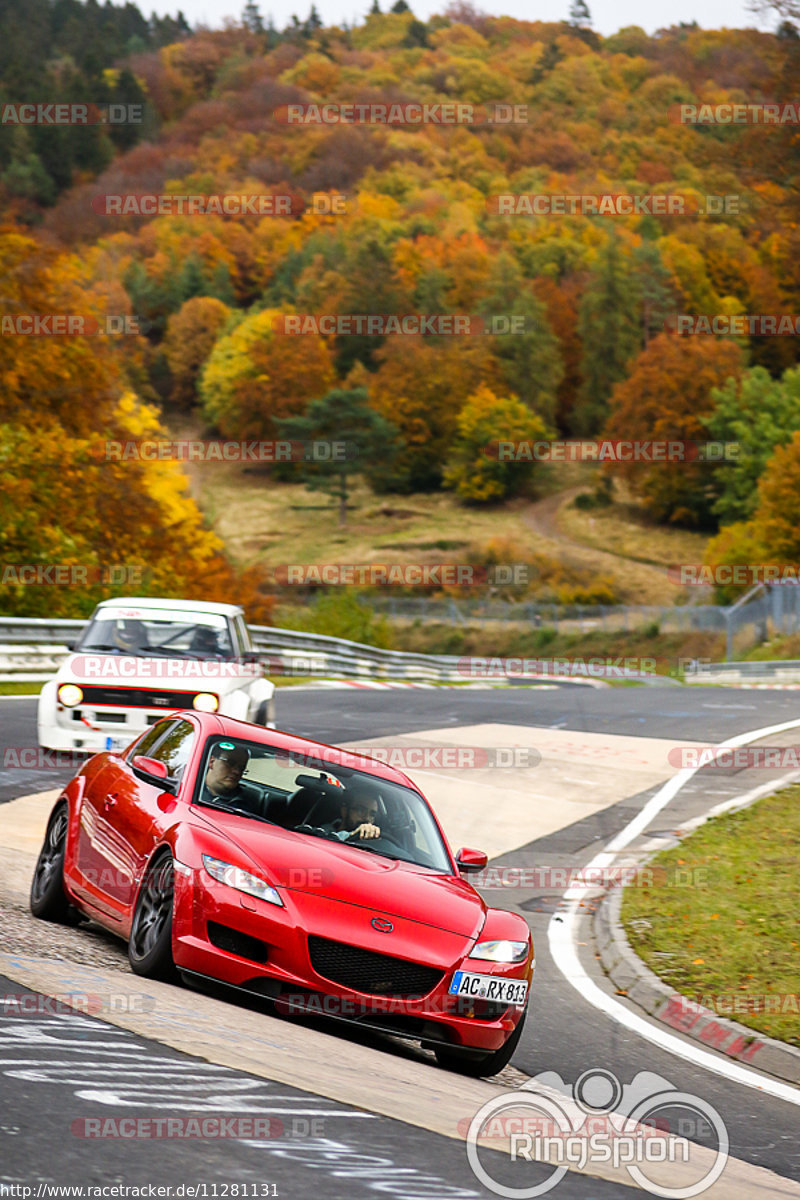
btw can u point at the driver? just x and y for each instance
(130, 636)
(204, 641)
(358, 815)
(223, 780)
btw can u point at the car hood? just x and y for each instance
(332, 871)
(156, 674)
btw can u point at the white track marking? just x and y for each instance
(562, 941)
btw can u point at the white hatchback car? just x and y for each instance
(139, 658)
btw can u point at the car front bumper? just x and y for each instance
(237, 939)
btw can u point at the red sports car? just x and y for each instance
(305, 874)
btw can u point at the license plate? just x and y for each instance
(489, 987)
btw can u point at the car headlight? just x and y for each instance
(206, 702)
(501, 952)
(241, 880)
(69, 694)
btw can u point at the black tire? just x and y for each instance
(150, 943)
(480, 1064)
(48, 900)
(265, 712)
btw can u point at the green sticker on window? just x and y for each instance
(226, 746)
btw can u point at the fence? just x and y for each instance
(774, 611)
(32, 649)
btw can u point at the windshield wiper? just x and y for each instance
(363, 844)
(240, 812)
(116, 649)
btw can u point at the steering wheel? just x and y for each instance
(315, 831)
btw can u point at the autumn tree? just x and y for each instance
(477, 469)
(71, 500)
(70, 379)
(190, 338)
(656, 289)
(610, 331)
(370, 287)
(772, 535)
(256, 373)
(421, 386)
(667, 397)
(752, 415)
(579, 14)
(528, 353)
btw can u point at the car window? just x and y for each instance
(159, 633)
(147, 741)
(244, 634)
(315, 798)
(175, 749)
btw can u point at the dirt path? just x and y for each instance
(542, 518)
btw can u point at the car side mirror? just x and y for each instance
(153, 771)
(471, 860)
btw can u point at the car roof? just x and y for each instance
(183, 606)
(214, 723)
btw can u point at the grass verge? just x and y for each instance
(624, 527)
(736, 937)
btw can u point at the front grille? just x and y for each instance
(122, 697)
(233, 941)
(370, 972)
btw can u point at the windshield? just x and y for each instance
(315, 799)
(144, 632)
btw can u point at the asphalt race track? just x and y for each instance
(60, 1069)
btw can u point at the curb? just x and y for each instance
(481, 685)
(636, 981)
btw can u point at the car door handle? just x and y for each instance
(110, 801)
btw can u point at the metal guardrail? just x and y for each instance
(31, 650)
(773, 670)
